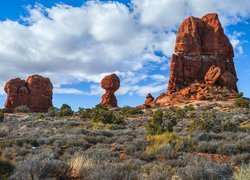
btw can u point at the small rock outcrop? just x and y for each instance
(212, 76)
(201, 44)
(35, 93)
(110, 83)
(149, 103)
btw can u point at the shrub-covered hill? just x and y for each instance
(209, 141)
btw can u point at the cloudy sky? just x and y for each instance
(75, 43)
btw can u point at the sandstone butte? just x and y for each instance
(110, 83)
(202, 64)
(35, 93)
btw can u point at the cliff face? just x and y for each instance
(200, 44)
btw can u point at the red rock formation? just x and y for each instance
(200, 44)
(110, 83)
(35, 93)
(149, 103)
(212, 76)
(228, 80)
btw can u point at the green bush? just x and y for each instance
(131, 111)
(53, 112)
(156, 126)
(66, 110)
(241, 102)
(102, 114)
(85, 113)
(161, 122)
(229, 126)
(2, 111)
(208, 122)
(6, 169)
(107, 117)
(22, 109)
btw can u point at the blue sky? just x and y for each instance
(75, 43)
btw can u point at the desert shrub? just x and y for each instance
(160, 123)
(241, 102)
(156, 171)
(156, 126)
(6, 169)
(189, 108)
(205, 169)
(243, 173)
(106, 116)
(229, 126)
(156, 141)
(2, 111)
(66, 110)
(85, 167)
(166, 151)
(22, 109)
(209, 121)
(40, 169)
(53, 112)
(85, 112)
(243, 158)
(240, 94)
(131, 110)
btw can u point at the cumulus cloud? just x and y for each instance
(82, 44)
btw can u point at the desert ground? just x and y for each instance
(208, 140)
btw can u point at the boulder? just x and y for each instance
(212, 76)
(35, 93)
(228, 80)
(110, 83)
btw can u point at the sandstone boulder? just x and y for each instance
(228, 80)
(110, 83)
(212, 76)
(35, 93)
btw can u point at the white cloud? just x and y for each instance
(82, 44)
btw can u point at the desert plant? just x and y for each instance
(85, 113)
(53, 112)
(22, 109)
(205, 169)
(243, 173)
(2, 111)
(157, 141)
(241, 102)
(127, 111)
(66, 110)
(107, 117)
(156, 126)
(6, 169)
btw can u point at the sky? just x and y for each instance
(76, 43)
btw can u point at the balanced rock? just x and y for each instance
(110, 83)
(200, 44)
(35, 93)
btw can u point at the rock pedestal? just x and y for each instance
(110, 83)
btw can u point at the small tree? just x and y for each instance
(66, 110)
